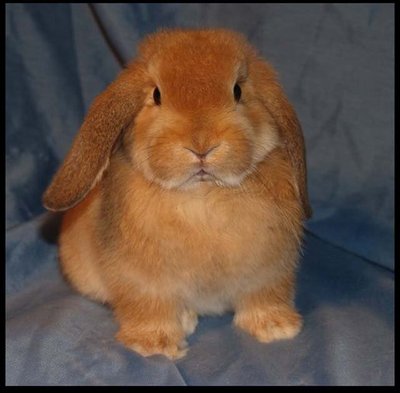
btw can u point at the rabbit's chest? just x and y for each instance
(217, 250)
(218, 231)
(207, 250)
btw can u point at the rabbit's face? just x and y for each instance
(195, 107)
(201, 121)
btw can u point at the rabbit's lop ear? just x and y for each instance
(84, 164)
(273, 98)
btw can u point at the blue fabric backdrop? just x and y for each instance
(336, 63)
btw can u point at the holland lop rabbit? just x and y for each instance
(185, 193)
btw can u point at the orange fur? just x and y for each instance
(161, 244)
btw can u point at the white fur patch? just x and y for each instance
(266, 141)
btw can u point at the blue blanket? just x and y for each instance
(336, 63)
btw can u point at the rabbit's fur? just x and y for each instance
(161, 242)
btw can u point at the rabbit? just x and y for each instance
(185, 194)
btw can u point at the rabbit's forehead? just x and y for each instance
(190, 84)
(196, 69)
(199, 63)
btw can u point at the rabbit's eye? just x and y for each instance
(157, 96)
(237, 92)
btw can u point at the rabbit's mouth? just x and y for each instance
(203, 175)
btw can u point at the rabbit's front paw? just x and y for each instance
(271, 323)
(153, 342)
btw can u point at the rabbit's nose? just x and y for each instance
(202, 155)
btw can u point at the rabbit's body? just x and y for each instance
(186, 190)
(205, 248)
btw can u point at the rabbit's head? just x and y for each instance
(195, 107)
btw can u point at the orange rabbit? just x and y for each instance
(185, 192)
